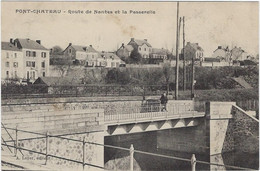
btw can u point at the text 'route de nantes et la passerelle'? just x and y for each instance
(73, 11)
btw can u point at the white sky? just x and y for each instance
(208, 23)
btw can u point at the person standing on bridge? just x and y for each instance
(164, 101)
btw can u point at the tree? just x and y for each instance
(57, 50)
(167, 72)
(135, 57)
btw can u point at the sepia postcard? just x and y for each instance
(129, 85)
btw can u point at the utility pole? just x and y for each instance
(177, 56)
(184, 67)
(192, 77)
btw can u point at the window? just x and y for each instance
(28, 53)
(28, 75)
(7, 74)
(144, 49)
(33, 54)
(15, 55)
(69, 50)
(140, 49)
(33, 75)
(7, 64)
(112, 64)
(43, 64)
(28, 63)
(43, 74)
(93, 56)
(15, 64)
(44, 54)
(7, 55)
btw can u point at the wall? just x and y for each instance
(246, 131)
(66, 122)
(231, 129)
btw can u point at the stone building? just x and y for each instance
(238, 54)
(12, 62)
(222, 53)
(109, 60)
(27, 59)
(83, 55)
(193, 50)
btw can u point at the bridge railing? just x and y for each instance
(47, 155)
(156, 111)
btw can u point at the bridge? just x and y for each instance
(73, 125)
(151, 118)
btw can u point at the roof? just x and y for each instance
(83, 48)
(29, 44)
(9, 46)
(129, 48)
(51, 81)
(108, 55)
(241, 82)
(195, 46)
(160, 51)
(140, 42)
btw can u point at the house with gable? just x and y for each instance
(193, 50)
(12, 62)
(142, 46)
(109, 60)
(222, 53)
(83, 55)
(238, 54)
(35, 59)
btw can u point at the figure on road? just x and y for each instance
(164, 101)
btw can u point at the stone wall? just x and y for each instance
(74, 124)
(246, 131)
(218, 116)
(67, 149)
(231, 128)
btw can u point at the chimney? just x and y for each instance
(90, 45)
(196, 43)
(133, 39)
(38, 41)
(145, 40)
(219, 47)
(188, 43)
(11, 41)
(123, 45)
(70, 44)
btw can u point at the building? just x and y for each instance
(148, 53)
(193, 50)
(158, 55)
(109, 60)
(222, 53)
(32, 63)
(238, 54)
(142, 46)
(12, 62)
(124, 51)
(83, 55)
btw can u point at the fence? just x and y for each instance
(152, 111)
(131, 150)
(38, 91)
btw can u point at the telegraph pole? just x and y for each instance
(177, 56)
(184, 69)
(192, 78)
